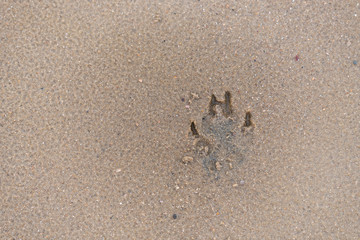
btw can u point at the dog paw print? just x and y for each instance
(220, 139)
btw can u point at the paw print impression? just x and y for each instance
(221, 138)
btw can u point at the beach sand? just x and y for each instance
(97, 99)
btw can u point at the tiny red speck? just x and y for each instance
(297, 58)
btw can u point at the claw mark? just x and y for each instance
(212, 104)
(194, 130)
(226, 105)
(248, 122)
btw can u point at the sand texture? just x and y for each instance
(115, 121)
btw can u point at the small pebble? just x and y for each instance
(187, 159)
(174, 216)
(355, 62)
(195, 96)
(206, 149)
(218, 166)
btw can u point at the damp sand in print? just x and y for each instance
(221, 138)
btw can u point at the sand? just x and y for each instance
(97, 98)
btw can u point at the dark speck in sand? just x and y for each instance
(174, 216)
(355, 62)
